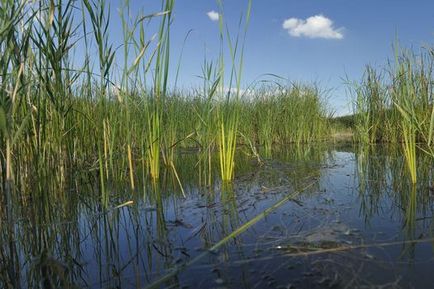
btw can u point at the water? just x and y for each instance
(360, 224)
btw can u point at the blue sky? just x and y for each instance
(350, 35)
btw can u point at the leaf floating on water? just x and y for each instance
(124, 204)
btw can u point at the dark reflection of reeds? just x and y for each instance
(372, 180)
(67, 232)
(383, 185)
(51, 237)
(409, 222)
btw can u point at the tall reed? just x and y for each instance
(228, 115)
(405, 98)
(160, 77)
(14, 49)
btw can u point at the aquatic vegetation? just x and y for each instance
(227, 144)
(107, 171)
(398, 107)
(228, 111)
(265, 110)
(236, 232)
(162, 236)
(370, 109)
(400, 92)
(61, 114)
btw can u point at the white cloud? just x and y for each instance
(317, 26)
(213, 16)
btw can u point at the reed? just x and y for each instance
(205, 127)
(161, 74)
(370, 107)
(227, 142)
(228, 115)
(266, 110)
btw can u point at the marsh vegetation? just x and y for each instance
(111, 177)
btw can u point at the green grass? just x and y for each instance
(395, 105)
(123, 123)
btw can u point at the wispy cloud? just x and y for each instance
(213, 16)
(317, 26)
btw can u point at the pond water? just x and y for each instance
(347, 218)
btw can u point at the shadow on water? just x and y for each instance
(361, 224)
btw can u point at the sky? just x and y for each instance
(317, 41)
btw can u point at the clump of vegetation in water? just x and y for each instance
(396, 105)
(59, 115)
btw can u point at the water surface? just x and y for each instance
(359, 224)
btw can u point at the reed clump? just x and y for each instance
(396, 105)
(115, 116)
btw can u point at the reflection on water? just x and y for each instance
(361, 224)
